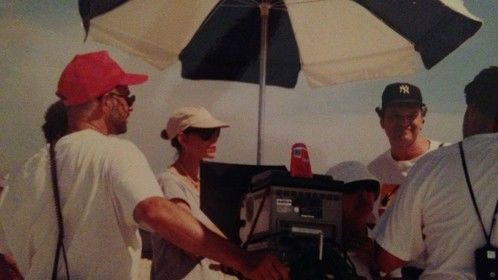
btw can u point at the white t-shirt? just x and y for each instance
(101, 180)
(391, 174)
(435, 203)
(168, 261)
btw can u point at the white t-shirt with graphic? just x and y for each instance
(391, 174)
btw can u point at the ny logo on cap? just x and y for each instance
(405, 89)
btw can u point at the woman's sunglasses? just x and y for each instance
(204, 133)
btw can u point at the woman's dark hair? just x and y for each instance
(176, 144)
(55, 125)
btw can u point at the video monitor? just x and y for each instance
(222, 187)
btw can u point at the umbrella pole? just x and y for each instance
(264, 9)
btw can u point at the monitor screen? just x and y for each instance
(223, 186)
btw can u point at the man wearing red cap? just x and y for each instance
(106, 190)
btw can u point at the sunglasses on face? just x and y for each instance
(204, 133)
(357, 187)
(130, 99)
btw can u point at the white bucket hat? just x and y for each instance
(354, 174)
(186, 117)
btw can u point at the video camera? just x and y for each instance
(298, 219)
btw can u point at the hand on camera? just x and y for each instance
(264, 266)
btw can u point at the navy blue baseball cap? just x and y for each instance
(401, 93)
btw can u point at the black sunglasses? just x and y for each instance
(362, 185)
(130, 99)
(204, 133)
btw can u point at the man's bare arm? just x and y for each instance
(183, 204)
(180, 228)
(386, 261)
(8, 268)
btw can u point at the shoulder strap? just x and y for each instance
(60, 223)
(469, 185)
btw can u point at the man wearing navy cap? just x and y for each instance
(448, 205)
(402, 116)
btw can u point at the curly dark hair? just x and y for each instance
(55, 125)
(482, 92)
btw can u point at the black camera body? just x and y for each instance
(486, 262)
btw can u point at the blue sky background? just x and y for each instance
(38, 38)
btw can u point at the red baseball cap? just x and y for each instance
(91, 75)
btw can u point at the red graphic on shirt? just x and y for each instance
(387, 192)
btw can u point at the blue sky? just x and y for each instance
(337, 123)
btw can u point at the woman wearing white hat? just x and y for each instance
(193, 132)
